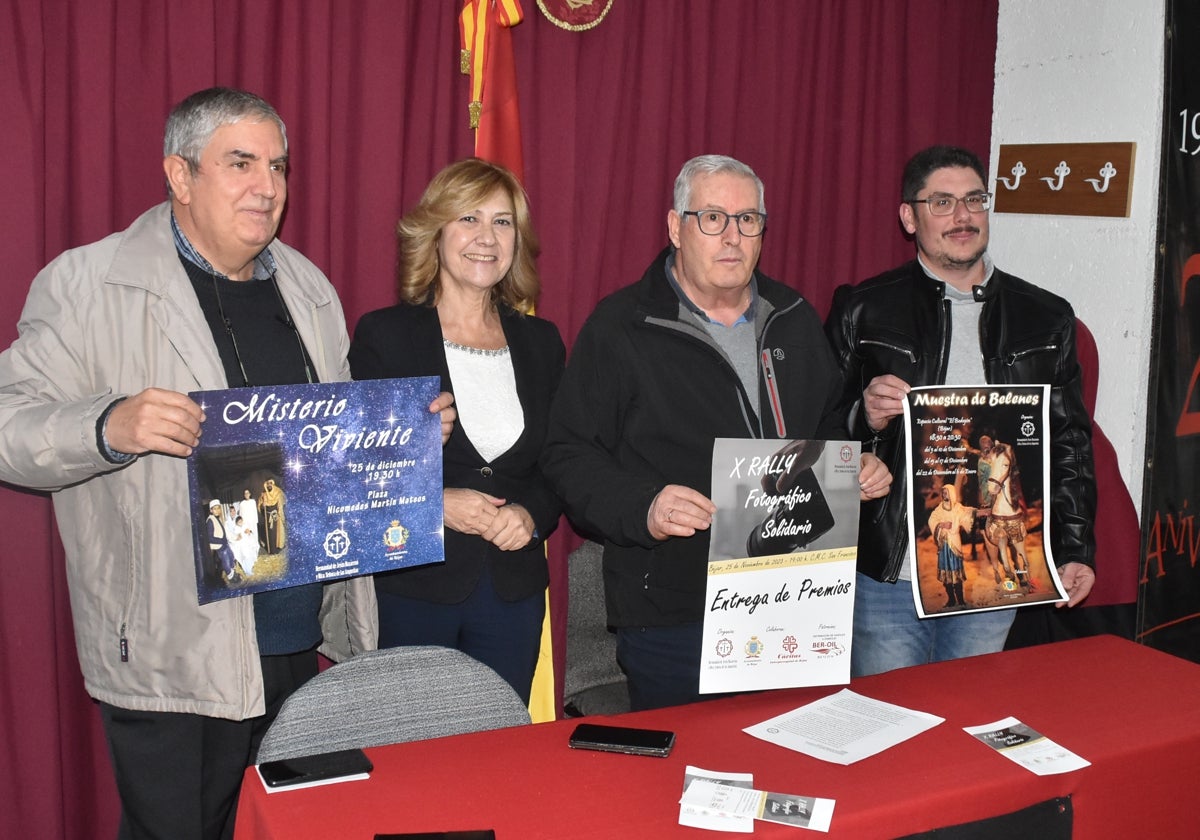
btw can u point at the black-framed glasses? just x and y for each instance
(714, 222)
(943, 204)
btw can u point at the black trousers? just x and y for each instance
(179, 774)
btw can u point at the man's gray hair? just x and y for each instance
(193, 121)
(712, 165)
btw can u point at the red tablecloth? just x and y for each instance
(1131, 711)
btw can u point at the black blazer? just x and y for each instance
(405, 340)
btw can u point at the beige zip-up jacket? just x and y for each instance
(111, 319)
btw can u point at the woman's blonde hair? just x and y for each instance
(458, 189)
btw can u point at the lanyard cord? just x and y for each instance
(286, 318)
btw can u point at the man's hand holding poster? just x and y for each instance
(296, 484)
(977, 507)
(780, 598)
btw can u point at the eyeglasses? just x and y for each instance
(714, 222)
(943, 204)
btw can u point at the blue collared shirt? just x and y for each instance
(264, 263)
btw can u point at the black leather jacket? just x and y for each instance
(899, 323)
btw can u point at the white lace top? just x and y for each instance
(485, 394)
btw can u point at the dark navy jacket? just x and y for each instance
(645, 393)
(406, 340)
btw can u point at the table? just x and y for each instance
(1132, 711)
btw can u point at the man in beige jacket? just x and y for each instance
(196, 294)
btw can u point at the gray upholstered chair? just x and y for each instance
(593, 683)
(390, 696)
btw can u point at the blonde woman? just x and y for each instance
(467, 277)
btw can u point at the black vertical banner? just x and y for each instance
(1169, 593)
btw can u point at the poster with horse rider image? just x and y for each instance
(296, 484)
(978, 471)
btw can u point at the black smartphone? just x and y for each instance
(622, 739)
(314, 768)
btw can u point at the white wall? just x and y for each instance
(1076, 71)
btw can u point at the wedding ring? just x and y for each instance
(670, 513)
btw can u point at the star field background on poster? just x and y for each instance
(359, 465)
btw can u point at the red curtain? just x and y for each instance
(824, 98)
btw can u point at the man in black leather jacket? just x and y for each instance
(951, 317)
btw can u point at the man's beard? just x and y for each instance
(961, 264)
(945, 260)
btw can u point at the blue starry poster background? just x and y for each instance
(360, 467)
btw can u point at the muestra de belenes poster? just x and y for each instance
(978, 470)
(296, 484)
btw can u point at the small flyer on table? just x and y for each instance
(296, 484)
(703, 817)
(978, 505)
(1032, 750)
(744, 803)
(780, 594)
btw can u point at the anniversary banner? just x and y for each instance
(296, 484)
(780, 596)
(1169, 593)
(977, 508)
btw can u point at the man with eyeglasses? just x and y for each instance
(951, 317)
(703, 346)
(196, 294)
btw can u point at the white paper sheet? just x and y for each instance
(844, 728)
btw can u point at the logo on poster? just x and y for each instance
(754, 647)
(395, 536)
(724, 648)
(337, 544)
(825, 647)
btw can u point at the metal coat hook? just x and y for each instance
(1107, 173)
(1068, 169)
(1062, 171)
(1017, 171)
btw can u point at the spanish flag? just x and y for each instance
(487, 57)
